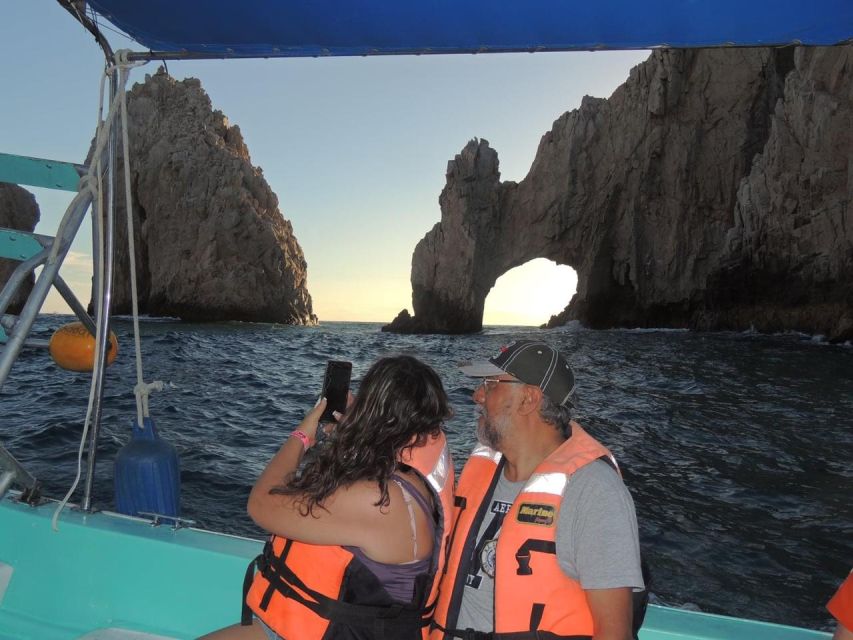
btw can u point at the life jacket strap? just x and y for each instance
(260, 562)
(536, 612)
(246, 612)
(472, 634)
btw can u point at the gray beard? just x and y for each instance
(490, 434)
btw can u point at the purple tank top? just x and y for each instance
(399, 579)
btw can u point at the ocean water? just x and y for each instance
(737, 448)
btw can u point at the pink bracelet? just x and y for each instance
(306, 442)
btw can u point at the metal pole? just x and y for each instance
(104, 321)
(73, 216)
(76, 306)
(97, 212)
(18, 276)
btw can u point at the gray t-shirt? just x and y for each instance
(597, 540)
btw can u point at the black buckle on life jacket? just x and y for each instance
(522, 556)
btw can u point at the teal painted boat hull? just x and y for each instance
(106, 575)
(108, 571)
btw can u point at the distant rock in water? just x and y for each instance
(211, 243)
(712, 190)
(19, 211)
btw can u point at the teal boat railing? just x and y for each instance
(38, 172)
(668, 623)
(18, 245)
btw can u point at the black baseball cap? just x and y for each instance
(532, 362)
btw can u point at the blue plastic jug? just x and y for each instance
(147, 474)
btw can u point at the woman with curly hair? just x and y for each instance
(358, 537)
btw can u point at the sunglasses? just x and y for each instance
(491, 383)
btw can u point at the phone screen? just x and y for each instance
(335, 388)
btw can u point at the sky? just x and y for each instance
(355, 148)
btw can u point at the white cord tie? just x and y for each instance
(142, 391)
(88, 184)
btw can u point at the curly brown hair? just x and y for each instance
(401, 402)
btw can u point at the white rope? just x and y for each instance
(94, 174)
(141, 389)
(88, 182)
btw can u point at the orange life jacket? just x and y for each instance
(841, 604)
(531, 591)
(305, 591)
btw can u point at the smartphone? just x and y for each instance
(335, 388)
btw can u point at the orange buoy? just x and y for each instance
(72, 347)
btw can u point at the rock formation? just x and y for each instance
(18, 210)
(211, 243)
(711, 190)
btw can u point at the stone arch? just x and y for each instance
(485, 231)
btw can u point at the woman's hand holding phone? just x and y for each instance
(334, 400)
(311, 422)
(326, 428)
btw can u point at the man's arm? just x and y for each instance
(611, 613)
(597, 545)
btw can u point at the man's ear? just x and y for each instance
(530, 399)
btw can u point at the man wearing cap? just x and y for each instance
(546, 542)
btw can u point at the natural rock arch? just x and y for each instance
(457, 263)
(706, 177)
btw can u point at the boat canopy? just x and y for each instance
(299, 28)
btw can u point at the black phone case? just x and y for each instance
(335, 388)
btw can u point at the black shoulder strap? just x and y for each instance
(609, 462)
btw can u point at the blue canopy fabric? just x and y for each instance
(298, 28)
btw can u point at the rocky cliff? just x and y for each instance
(711, 190)
(18, 210)
(211, 243)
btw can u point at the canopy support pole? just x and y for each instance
(103, 318)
